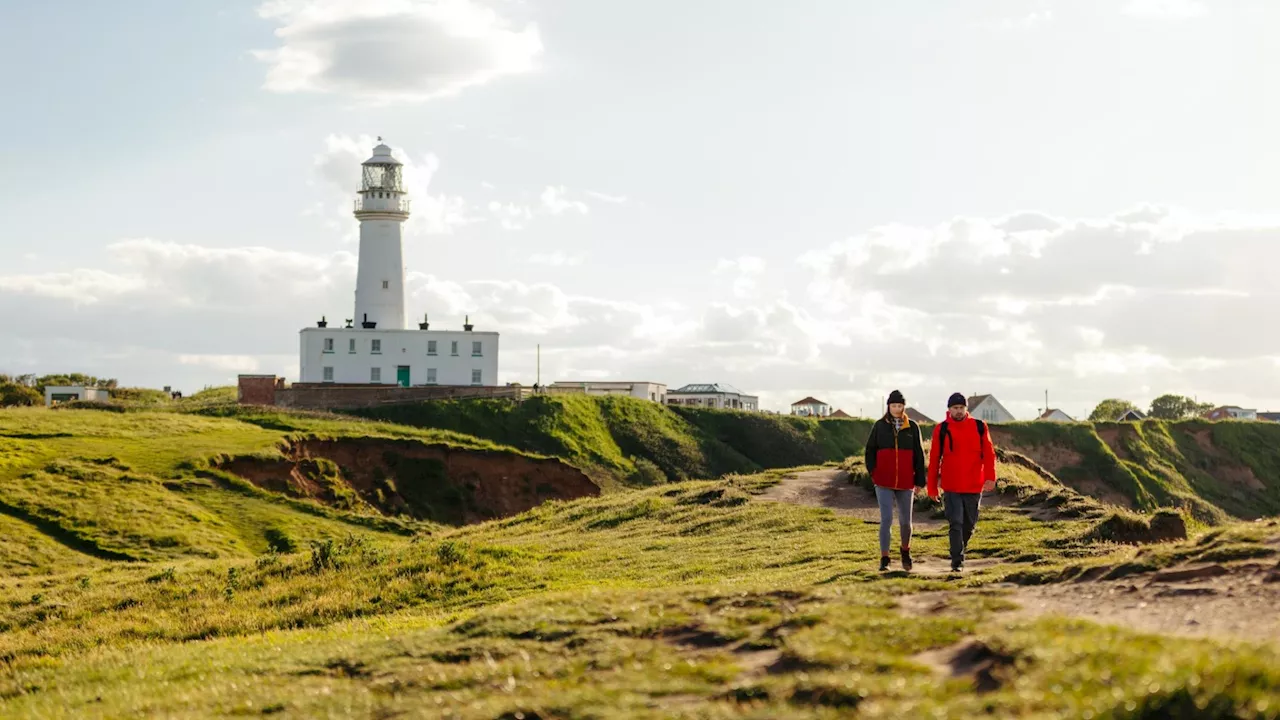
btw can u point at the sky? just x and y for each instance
(823, 197)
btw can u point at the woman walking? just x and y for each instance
(895, 458)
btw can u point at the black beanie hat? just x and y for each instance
(957, 399)
(896, 397)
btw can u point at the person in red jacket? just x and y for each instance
(895, 459)
(963, 459)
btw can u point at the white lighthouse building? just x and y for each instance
(375, 348)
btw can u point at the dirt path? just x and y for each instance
(830, 488)
(1240, 600)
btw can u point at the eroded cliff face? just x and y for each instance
(403, 477)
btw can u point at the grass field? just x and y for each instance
(137, 582)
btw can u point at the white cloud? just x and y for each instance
(1178, 9)
(510, 215)
(389, 51)
(746, 273)
(1083, 311)
(604, 197)
(556, 259)
(1024, 22)
(555, 202)
(228, 363)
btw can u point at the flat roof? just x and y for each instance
(402, 330)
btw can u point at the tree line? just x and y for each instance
(1165, 407)
(27, 390)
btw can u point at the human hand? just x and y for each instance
(988, 486)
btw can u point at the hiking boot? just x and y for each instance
(906, 559)
(957, 565)
(884, 563)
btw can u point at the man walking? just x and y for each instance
(964, 460)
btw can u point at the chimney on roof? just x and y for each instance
(424, 325)
(467, 325)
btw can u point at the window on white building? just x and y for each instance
(453, 348)
(351, 345)
(475, 349)
(386, 284)
(431, 347)
(328, 345)
(431, 376)
(375, 375)
(377, 347)
(476, 376)
(328, 374)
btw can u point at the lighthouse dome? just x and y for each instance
(382, 156)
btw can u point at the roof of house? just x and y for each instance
(1049, 413)
(1272, 416)
(919, 417)
(1134, 412)
(808, 401)
(707, 389)
(977, 400)
(840, 414)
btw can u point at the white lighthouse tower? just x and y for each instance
(375, 347)
(382, 209)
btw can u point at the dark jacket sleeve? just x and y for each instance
(869, 457)
(918, 453)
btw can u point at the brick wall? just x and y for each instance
(258, 389)
(313, 396)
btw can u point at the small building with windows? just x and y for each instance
(810, 407)
(713, 395)
(988, 409)
(375, 347)
(58, 394)
(350, 356)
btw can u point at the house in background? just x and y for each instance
(655, 392)
(988, 409)
(57, 394)
(1269, 416)
(1055, 415)
(713, 395)
(1231, 412)
(918, 417)
(840, 414)
(810, 407)
(1132, 416)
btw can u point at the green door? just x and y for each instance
(402, 376)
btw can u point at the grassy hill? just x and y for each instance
(1213, 471)
(141, 575)
(687, 600)
(623, 440)
(82, 486)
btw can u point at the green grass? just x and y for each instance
(1210, 471)
(679, 599)
(605, 435)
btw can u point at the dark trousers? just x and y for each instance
(962, 515)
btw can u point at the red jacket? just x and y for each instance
(966, 463)
(895, 458)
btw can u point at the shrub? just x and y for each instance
(646, 473)
(279, 540)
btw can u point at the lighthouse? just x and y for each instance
(382, 209)
(375, 347)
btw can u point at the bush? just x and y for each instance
(12, 395)
(646, 473)
(279, 540)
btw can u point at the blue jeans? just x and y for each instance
(887, 498)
